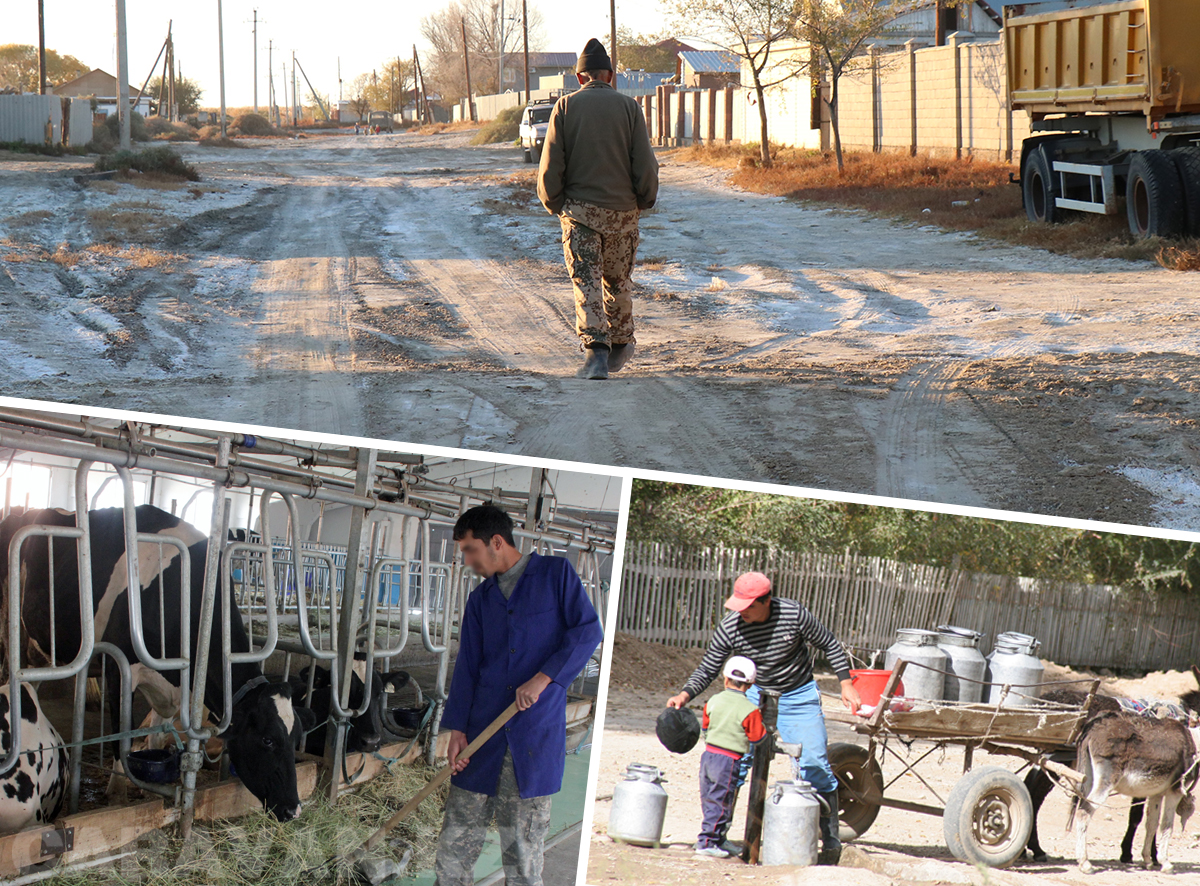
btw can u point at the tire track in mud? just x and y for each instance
(504, 310)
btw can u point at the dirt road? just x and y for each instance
(410, 287)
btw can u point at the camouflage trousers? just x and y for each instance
(599, 246)
(522, 824)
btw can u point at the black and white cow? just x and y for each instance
(32, 791)
(265, 727)
(366, 730)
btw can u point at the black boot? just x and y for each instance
(618, 356)
(831, 843)
(596, 365)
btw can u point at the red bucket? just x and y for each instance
(870, 685)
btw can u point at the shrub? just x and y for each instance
(137, 127)
(504, 128)
(162, 129)
(159, 160)
(253, 124)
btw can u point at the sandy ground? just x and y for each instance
(900, 847)
(408, 287)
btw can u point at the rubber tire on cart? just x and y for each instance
(1187, 163)
(855, 766)
(988, 817)
(528, 155)
(1040, 186)
(1154, 195)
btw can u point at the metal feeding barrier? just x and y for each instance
(309, 600)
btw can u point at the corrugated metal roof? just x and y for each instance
(552, 59)
(714, 62)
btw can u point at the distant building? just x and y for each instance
(708, 70)
(929, 26)
(102, 86)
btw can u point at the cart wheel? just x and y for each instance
(988, 817)
(856, 770)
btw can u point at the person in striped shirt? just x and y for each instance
(776, 634)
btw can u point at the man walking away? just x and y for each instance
(597, 172)
(528, 630)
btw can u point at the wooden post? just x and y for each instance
(696, 117)
(467, 64)
(711, 134)
(876, 103)
(525, 28)
(729, 93)
(764, 752)
(911, 46)
(955, 40)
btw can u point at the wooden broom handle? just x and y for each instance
(435, 782)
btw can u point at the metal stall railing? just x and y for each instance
(274, 580)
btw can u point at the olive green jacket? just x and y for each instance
(597, 151)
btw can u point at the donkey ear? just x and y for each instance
(1196, 674)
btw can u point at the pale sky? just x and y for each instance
(363, 33)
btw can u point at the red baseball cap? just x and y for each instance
(748, 588)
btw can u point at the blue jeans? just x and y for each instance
(718, 792)
(801, 721)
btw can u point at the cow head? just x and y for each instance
(366, 731)
(262, 738)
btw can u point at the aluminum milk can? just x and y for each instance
(1014, 661)
(919, 647)
(964, 661)
(791, 817)
(639, 807)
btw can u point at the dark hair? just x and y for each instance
(483, 522)
(738, 684)
(594, 74)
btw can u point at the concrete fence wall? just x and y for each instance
(45, 119)
(948, 100)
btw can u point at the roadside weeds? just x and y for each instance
(969, 195)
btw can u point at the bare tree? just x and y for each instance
(756, 31)
(360, 96)
(839, 33)
(443, 31)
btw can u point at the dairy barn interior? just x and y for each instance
(375, 519)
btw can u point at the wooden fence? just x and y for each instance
(675, 595)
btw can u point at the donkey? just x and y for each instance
(1039, 784)
(1139, 757)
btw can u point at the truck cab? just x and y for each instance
(534, 122)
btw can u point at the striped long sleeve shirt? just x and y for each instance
(778, 647)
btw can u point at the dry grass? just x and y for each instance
(28, 219)
(436, 128)
(140, 256)
(120, 225)
(1180, 258)
(261, 851)
(957, 195)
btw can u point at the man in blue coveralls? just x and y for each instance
(528, 630)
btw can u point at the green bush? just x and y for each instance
(504, 128)
(137, 127)
(159, 160)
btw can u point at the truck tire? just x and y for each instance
(1040, 187)
(1154, 195)
(1187, 163)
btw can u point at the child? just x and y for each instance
(731, 722)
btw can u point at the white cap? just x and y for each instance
(741, 669)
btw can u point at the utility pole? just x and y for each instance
(339, 84)
(171, 97)
(123, 119)
(41, 47)
(525, 29)
(221, 60)
(612, 38)
(416, 86)
(500, 74)
(256, 61)
(295, 98)
(467, 63)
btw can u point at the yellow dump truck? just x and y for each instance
(1113, 93)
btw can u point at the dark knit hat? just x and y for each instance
(593, 58)
(678, 729)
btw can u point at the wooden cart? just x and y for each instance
(988, 815)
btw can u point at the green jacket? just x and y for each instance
(597, 151)
(731, 721)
